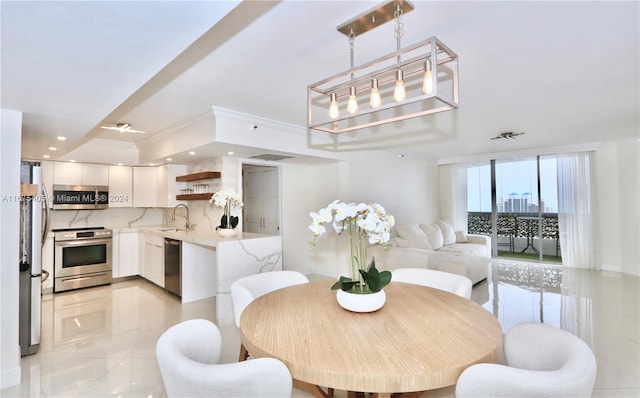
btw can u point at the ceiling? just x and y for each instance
(565, 73)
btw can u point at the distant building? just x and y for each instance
(516, 203)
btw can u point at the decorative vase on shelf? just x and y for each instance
(355, 302)
(227, 232)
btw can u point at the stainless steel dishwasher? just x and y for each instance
(173, 266)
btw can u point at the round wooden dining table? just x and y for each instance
(421, 339)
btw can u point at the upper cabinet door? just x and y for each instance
(120, 186)
(95, 174)
(168, 187)
(145, 187)
(69, 173)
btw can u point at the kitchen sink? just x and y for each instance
(170, 230)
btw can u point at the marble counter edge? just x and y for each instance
(211, 239)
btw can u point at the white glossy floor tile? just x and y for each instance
(100, 342)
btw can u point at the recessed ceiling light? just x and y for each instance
(169, 159)
(119, 164)
(61, 138)
(230, 153)
(46, 156)
(192, 153)
(72, 160)
(52, 148)
(151, 164)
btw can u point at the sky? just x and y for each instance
(517, 177)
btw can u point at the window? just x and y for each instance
(517, 207)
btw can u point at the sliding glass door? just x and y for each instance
(515, 202)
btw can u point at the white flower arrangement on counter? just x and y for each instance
(227, 199)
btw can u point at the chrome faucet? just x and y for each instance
(187, 225)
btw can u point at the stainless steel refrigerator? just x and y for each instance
(34, 215)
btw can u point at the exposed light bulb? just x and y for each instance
(427, 83)
(334, 112)
(352, 104)
(375, 100)
(399, 94)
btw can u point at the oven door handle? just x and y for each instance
(82, 278)
(84, 242)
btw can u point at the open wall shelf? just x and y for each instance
(198, 176)
(195, 196)
(205, 175)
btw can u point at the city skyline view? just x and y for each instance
(514, 179)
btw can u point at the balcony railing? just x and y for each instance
(519, 230)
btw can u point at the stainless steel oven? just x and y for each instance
(82, 258)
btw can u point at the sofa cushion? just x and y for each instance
(415, 236)
(399, 242)
(434, 235)
(448, 233)
(465, 248)
(461, 237)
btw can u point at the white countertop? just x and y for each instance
(205, 238)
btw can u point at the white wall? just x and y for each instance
(406, 187)
(11, 130)
(306, 189)
(618, 184)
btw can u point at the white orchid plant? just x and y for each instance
(361, 222)
(227, 199)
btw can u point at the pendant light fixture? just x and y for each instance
(352, 103)
(375, 100)
(419, 80)
(399, 93)
(427, 82)
(334, 111)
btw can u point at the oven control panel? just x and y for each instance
(71, 234)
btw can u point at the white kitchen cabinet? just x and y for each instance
(145, 187)
(167, 184)
(126, 259)
(67, 173)
(120, 186)
(153, 259)
(95, 174)
(70, 173)
(157, 186)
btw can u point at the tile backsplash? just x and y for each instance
(108, 218)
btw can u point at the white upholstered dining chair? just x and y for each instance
(453, 283)
(249, 288)
(188, 354)
(541, 361)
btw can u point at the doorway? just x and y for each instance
(261, 197)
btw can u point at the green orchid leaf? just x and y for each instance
(385, 278)
(234, 221)
(344, 283)
(374, 279)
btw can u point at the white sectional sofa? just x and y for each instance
(435, 246)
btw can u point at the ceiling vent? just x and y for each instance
(270, 156)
